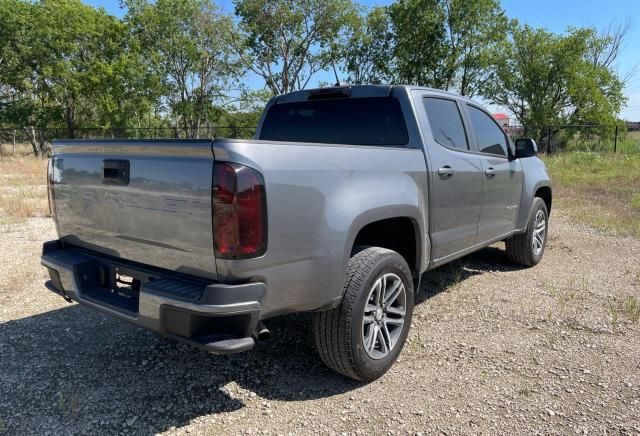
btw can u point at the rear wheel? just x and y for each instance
(527, 248)
(363, 337)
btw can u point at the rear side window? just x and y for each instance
(446, 123)
(355, 121)
(491, 139)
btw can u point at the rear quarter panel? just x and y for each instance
(318, 197)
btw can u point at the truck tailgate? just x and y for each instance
(147, 201)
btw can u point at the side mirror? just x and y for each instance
(526, 147)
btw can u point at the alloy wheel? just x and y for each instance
(539, 233)
(384, 315)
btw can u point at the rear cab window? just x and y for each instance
(376, 121)
(446, 123)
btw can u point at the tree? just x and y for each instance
(476, 32)
(184, 40)
(607, 45)
(447, 44)
(545, 78)
(420, 47)
(74, 49)
(287, 41)
(44, 82)
(367, 51)
(70, 65)
(15, 27)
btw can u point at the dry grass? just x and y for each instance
(23, 190)
(600, 190)
(635, 135)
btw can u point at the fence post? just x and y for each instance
(615, 141)
(13, 150)
(549, 139)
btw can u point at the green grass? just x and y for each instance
(632, 308)
(620, 310)
(628, 143)
(68, 403)
(598, 189)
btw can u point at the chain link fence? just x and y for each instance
(550, 138)
(574, 137)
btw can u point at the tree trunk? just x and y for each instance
(31, 134)
(71, 125)
(42, 142)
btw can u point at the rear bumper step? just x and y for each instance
(218, 317)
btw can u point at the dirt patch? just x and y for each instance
(553, 349)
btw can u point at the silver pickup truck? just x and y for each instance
(345, 196)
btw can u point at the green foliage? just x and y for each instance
(287, 41)
(181, 65)
(183, 39)
(69, 64)
(447, 44)
(241, 121)
(549, 79)
(367, 51)
(420, 42)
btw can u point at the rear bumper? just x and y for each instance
(218, 317)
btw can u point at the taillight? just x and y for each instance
(239, 211)
(50, 194)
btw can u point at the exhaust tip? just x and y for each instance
(262, 333)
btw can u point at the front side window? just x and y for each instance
(491, 138)
(446, 123)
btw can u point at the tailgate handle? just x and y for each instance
(115, 172)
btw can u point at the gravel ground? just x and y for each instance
(494, 349)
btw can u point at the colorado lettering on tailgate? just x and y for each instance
(147, 202)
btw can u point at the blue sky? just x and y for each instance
(555, 15)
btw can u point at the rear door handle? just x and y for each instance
(490, 172)
(446, 171)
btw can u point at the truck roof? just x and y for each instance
(355, 91)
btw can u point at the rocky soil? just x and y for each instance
(494, 349)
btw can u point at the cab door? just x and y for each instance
(501, 176)
(455, 175)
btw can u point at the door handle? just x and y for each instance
(446, 171)
(490, 172)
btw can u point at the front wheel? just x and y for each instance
(527, 248)
(363, 337)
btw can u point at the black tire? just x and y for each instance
(339, 332)
(520, 248)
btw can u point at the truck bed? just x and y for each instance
(317, 197)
